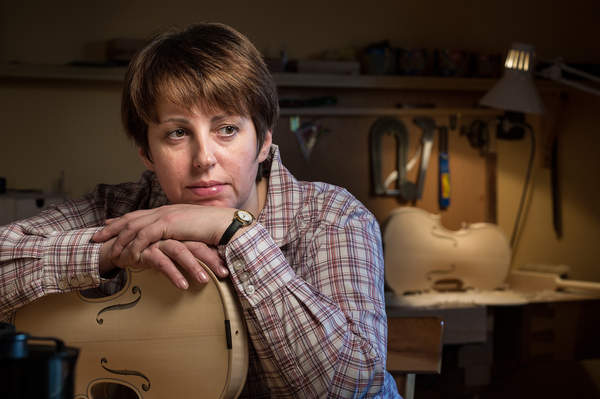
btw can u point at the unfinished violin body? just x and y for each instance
(421, 254)
(150, 339)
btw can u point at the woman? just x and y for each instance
(304, 258)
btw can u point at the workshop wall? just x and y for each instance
(579, 183)
(74, 127)
(59, 31)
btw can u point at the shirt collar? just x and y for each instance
(283, 201)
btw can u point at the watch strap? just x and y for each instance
(235, 225)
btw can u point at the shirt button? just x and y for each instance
(74, 281)
(53, 233)
(85, 280)
(250, 289)
(238, 265)
(62, 284)
(243, 277)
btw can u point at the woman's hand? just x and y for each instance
(166, 238)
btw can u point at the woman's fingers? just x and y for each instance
(130, 222)
(177, 260)
(138, 235)
(132, 235)
(180, 222)
(209, 256)
(183, 257)
(155, 258)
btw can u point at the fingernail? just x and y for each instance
(224, 271)
(202, 276)
(183, 284)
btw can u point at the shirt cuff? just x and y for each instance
(257, 266)
(71, 260)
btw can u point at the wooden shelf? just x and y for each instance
(116, 74)
(288, 80)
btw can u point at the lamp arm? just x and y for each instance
(579, 86)
(580, 73)
(554, 72)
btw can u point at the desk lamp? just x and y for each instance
(516, 93)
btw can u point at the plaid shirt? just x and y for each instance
(309, 276)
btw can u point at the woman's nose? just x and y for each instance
(204, 156)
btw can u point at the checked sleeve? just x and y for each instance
(315, 308)
(52, 252)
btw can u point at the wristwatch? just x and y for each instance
(241, 218)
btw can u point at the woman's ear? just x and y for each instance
(145, 160)
(266, 147)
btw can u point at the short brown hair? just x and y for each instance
(209, 65)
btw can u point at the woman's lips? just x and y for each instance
(207, 190)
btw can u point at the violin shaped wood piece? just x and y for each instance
(421, 254)
(150, 339)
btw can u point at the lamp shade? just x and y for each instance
(516, 90)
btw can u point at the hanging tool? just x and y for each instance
(405, 190)
(444, 169)
(558, 126)
(427, 124)
(307, 134)
(555, 184)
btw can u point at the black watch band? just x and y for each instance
(241, 218)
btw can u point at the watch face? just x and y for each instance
(245, 216)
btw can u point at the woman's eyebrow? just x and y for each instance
(214, 119)
(179, 119)
(221, 117)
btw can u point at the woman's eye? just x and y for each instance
(228, 130)
(176, 134)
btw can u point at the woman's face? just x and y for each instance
(205, 158)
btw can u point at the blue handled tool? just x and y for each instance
(444, 169)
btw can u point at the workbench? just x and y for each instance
(486, 347)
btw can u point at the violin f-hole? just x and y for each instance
(135, 290)
(430, 273)
(145, 387)
(108, 389)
